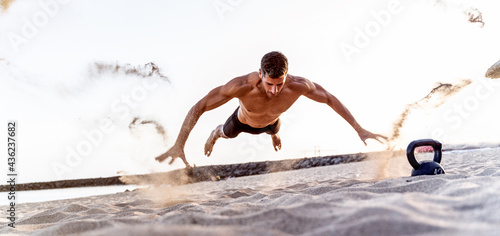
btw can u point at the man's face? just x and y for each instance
(272, 86)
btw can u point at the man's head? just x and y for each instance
(273, 71)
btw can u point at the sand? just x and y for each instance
(494, 71)
(345, 199)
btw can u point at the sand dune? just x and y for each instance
(333, 200)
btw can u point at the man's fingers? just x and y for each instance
(160, 158)
(367, 135)
(379, 137)
(382, 136)
(172, 161)
(183, 157)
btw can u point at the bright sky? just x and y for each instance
(375, 56)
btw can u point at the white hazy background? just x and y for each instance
(45, 83)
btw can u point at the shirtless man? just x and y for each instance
(263, 97)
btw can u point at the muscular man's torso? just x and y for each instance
(258, 110)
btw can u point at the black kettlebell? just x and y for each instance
(425, 167)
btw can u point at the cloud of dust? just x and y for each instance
(475, 16)
(436, 97)
(5, 4)
(472, 14)
(387, 164)
(392, 164)
(159, 128)
(148, 70)
(163, 188)
(494, 71)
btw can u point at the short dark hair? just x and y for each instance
(274, 64)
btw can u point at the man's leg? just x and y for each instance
(216, 134)
(276, 141)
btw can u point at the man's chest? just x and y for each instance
(257, 102)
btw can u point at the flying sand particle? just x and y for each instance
(494, 71)
(475, 16)
(159, 128)
(148, 70)
(436, 97)
(5, 4)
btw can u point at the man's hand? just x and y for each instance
(174, 152)
(365, 134)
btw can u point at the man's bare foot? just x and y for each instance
(209, 145)
(276, 142)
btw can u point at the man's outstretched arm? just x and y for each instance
(319, 94)
(215, 98)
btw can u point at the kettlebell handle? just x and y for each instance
(437, 146)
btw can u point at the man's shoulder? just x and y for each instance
(242, 84)
(297, 79)
(251, 78)
(299, 83)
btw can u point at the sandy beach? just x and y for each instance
(347, 199)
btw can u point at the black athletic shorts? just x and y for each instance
(233, 127)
